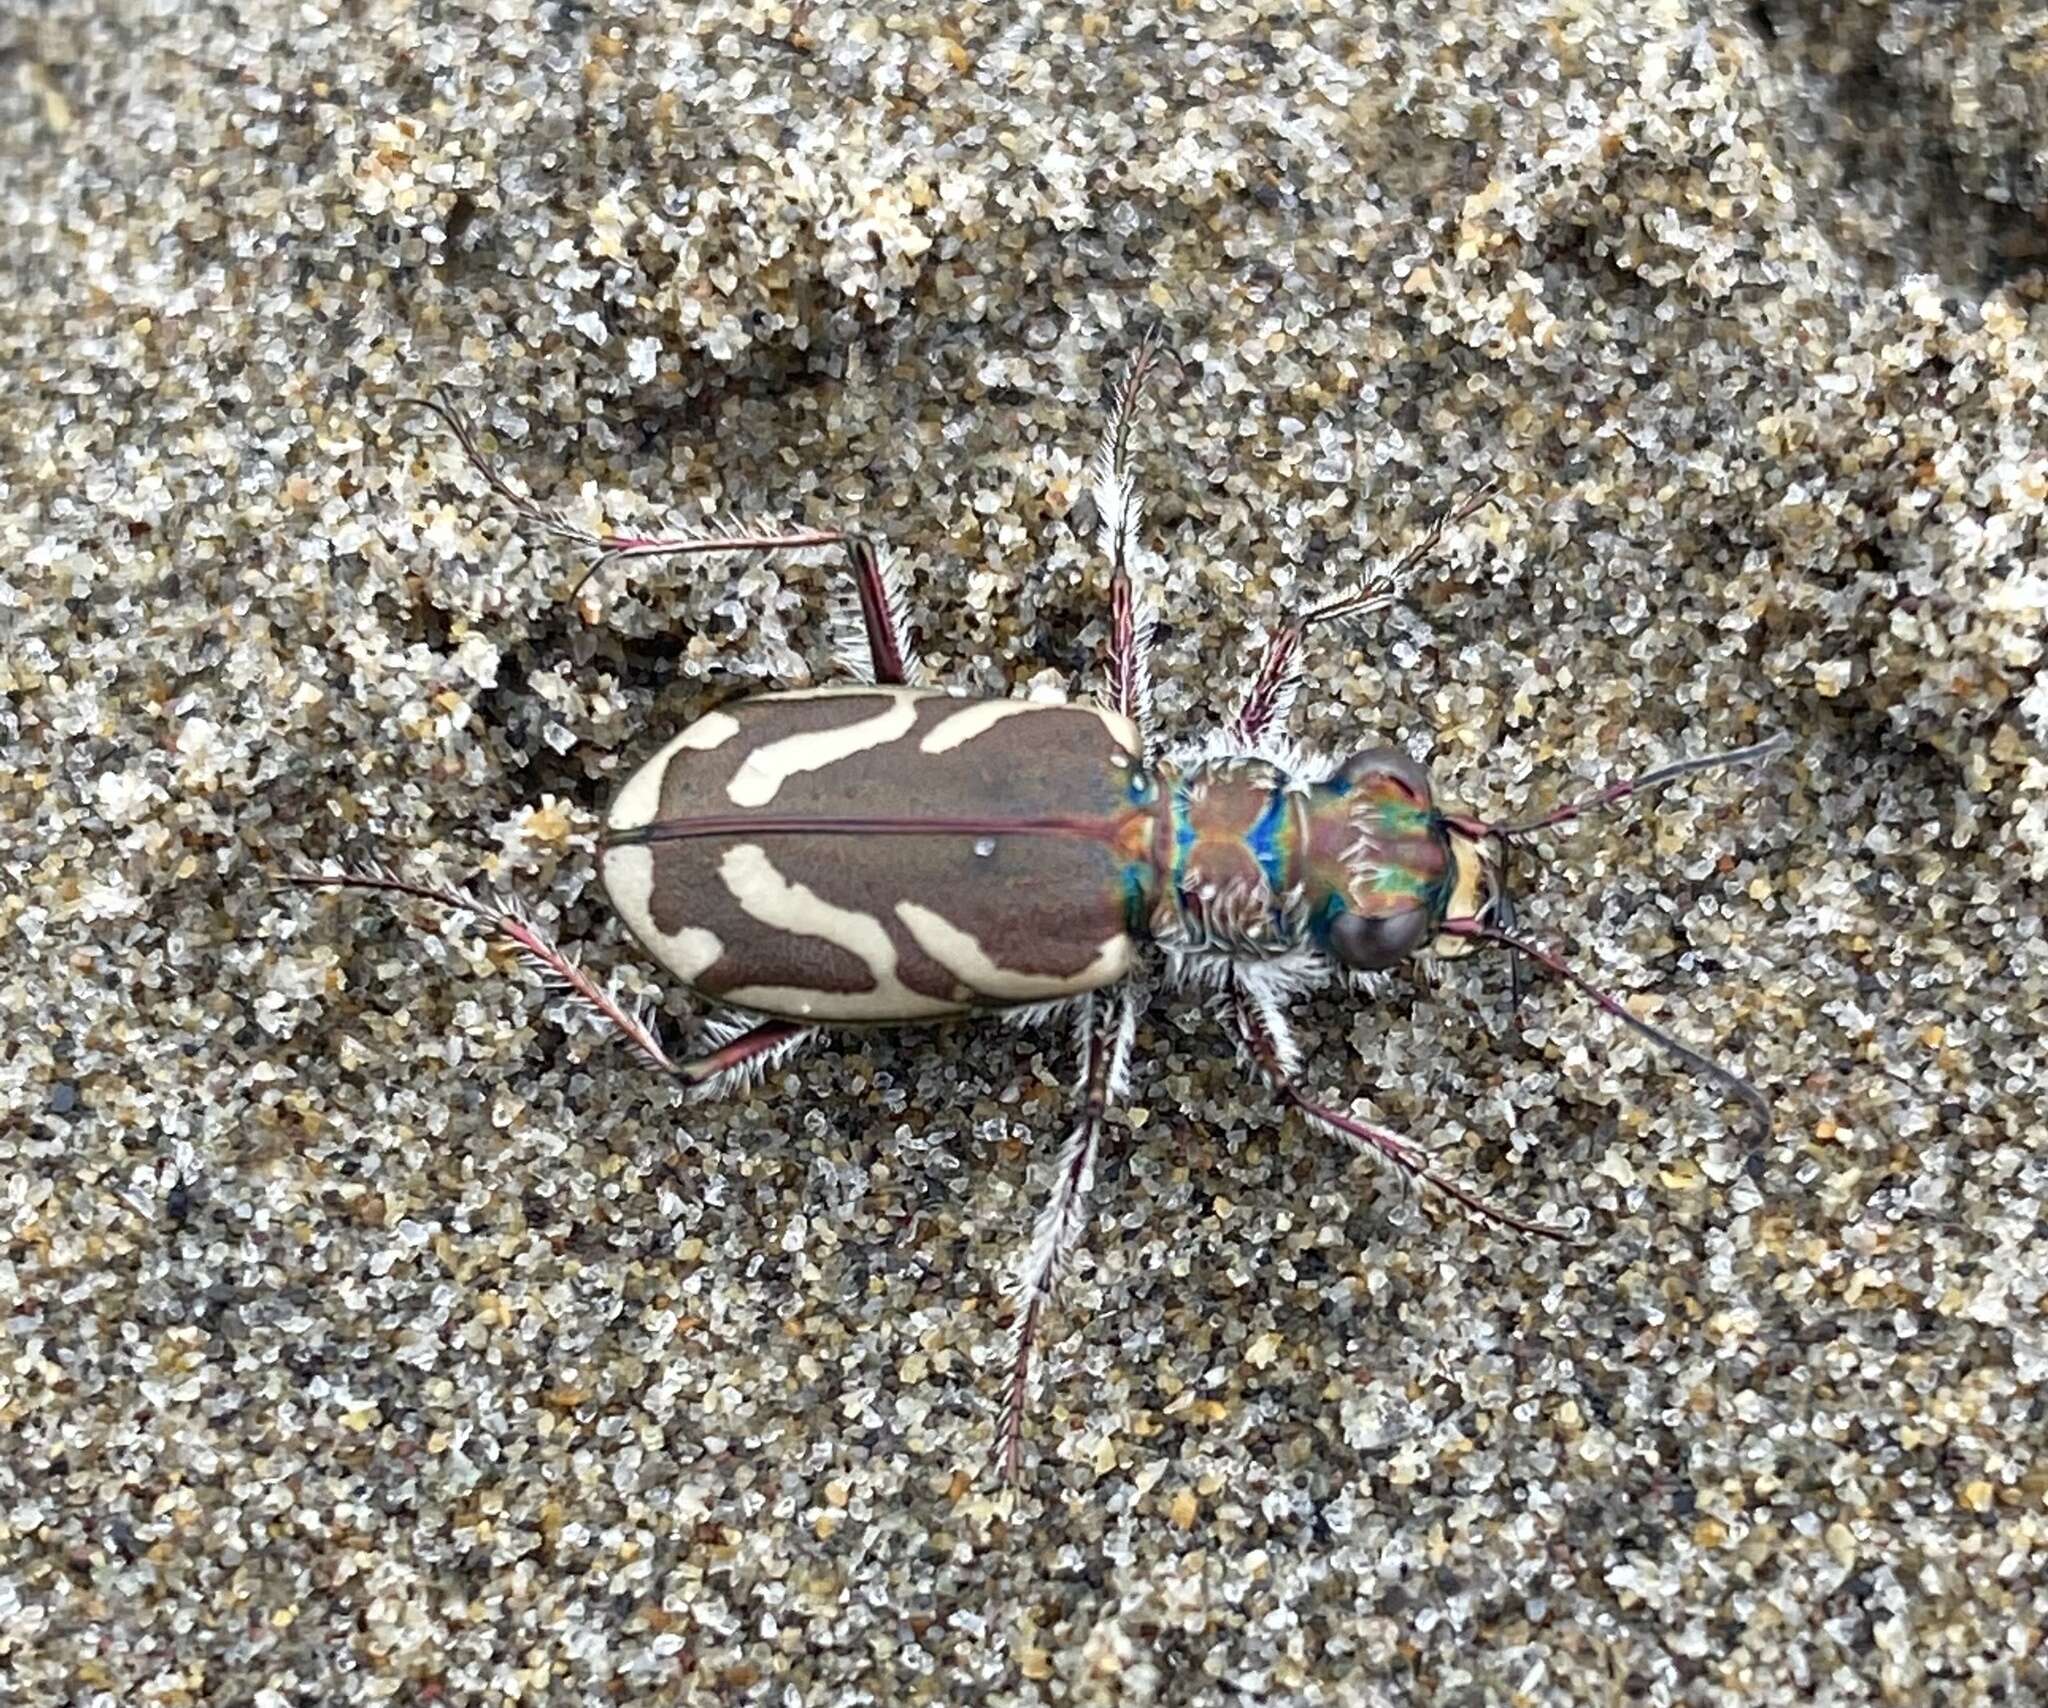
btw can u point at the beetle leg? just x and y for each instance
(1277, 680)
(1268, 1043)
(1105, 1029)
(742, 1055)
(1271, 695)
(884, 620)
(1115, 491)
(878, 594)
(557, 970)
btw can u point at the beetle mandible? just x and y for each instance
(884, 851)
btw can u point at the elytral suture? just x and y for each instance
(882, 851)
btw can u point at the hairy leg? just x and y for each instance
(1115, 491)
(1277, 679)
(1269, 1046)
(1106, 1024)
(737, 1052)
(872, 642)
(740, 1053)
(557, 971)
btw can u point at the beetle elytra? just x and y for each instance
(882, 851)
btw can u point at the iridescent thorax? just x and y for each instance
(1361, 864)
(1228, 855)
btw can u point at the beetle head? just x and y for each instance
(1389, 873)
(1382, 866)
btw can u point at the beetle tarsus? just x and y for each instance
(557, 971)
(443, 403)
(1276, 681)
(878, 594)
(1271, 1050)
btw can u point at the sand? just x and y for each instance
(376, 1331)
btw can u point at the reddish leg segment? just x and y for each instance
(745, 1055)
(1270, 1047)
(1277, 680)
(879, 618)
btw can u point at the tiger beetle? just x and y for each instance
(884, 851)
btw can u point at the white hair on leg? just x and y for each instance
(1105, 1050)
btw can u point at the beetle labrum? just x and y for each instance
(883, 851)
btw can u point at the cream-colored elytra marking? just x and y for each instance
(765, 894)
(713, 729)
(629, 882)
(983, 715)
(769, 766)
(639, 801)
(963, 726)
(1121, 730)
(962, 956)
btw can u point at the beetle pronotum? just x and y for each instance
(887, 852)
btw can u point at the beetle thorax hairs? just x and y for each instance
(884, 852)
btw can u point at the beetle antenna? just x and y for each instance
(1505, 917)
(1754, 754)
(1705, 1067)
(1504, 910)
(615, 548)
(560, 974)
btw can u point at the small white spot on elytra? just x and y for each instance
(984, 846)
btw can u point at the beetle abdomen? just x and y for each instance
(886, 853)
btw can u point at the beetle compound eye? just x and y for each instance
(1373, 942)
